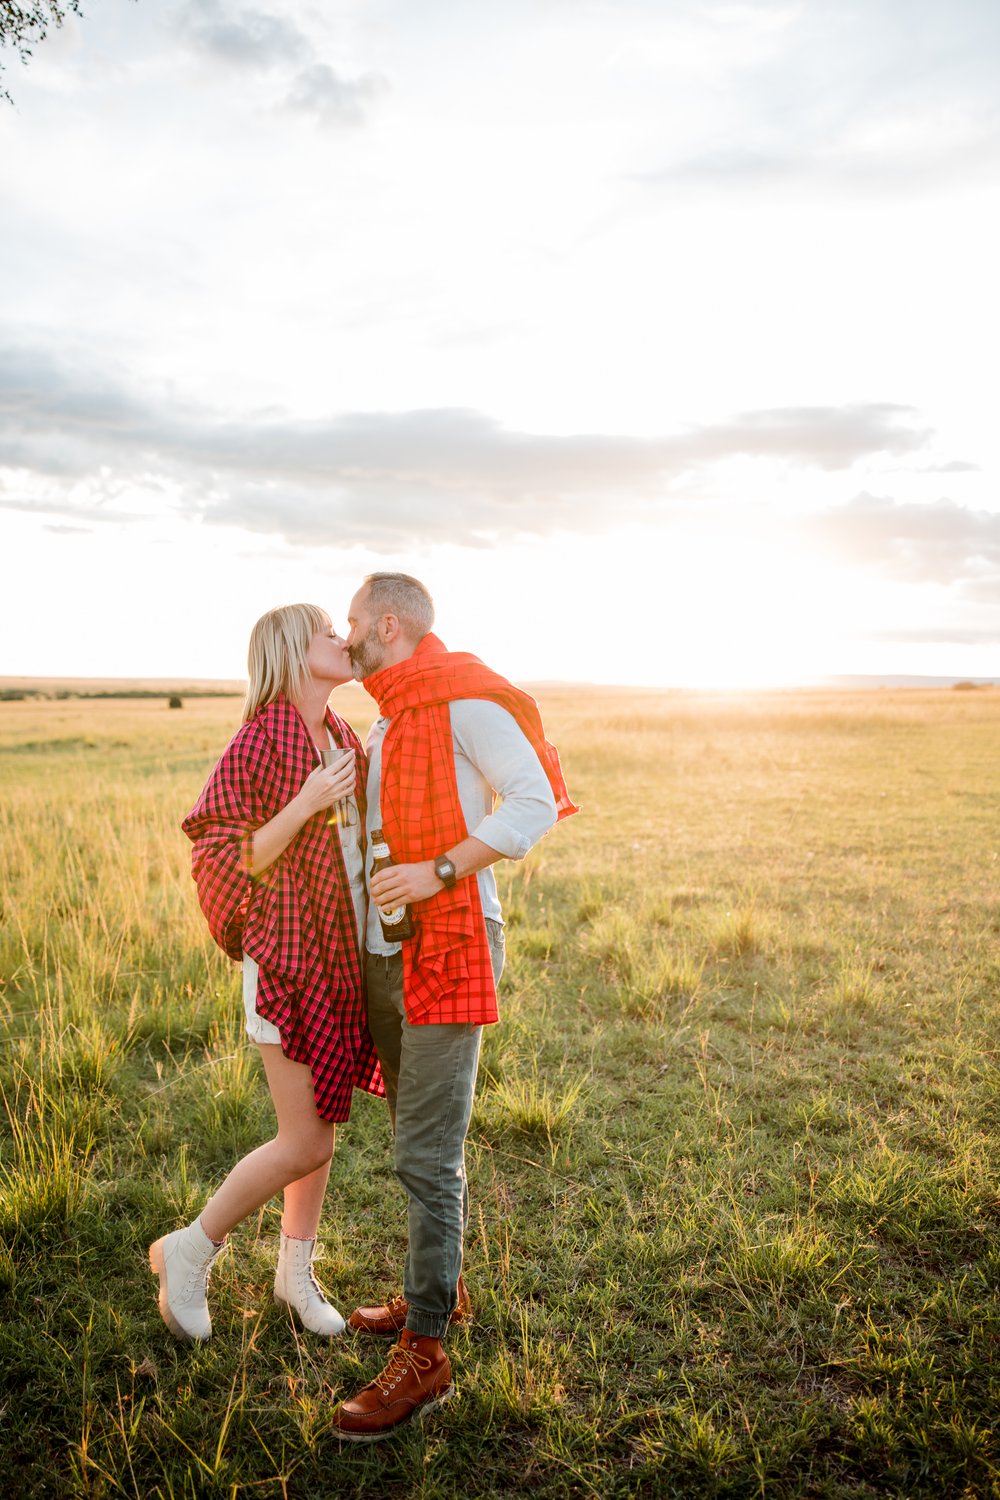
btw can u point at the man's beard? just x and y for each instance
(367, 655)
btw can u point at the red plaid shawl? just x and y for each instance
(296, 919)
(447, 976)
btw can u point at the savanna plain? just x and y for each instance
(733, 1163)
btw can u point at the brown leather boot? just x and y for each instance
(416, 1379)
(388, 1319)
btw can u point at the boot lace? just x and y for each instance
(401, 1362)
(309, 1287)
(198, 1277)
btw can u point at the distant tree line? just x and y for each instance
(20, 695)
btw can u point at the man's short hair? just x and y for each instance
(405, 597)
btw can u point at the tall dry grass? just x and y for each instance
(733, 1161)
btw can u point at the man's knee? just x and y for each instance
(430, 1167)
(442, 1192)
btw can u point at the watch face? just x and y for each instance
(445, 870)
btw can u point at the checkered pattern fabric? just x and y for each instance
(296, 919)
(447, 976)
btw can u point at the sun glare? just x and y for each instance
(710, 610)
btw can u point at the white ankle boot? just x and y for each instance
(296, 1286)
(182, 1261)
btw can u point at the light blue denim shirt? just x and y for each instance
(504, 794)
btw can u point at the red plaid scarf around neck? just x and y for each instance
(447, 974)
(296, 920)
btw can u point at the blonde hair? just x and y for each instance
(276, 660)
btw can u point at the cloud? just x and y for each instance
(71, 506)
(253, 39)
(258, 41)
(956, 466)
(982, 590)
(829, 437)
(935, 543)
(856, 97)
(324, 96)
(840, 166)
(424, 475)
(941, 633)
(58, 420)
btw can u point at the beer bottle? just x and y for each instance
(396, 922)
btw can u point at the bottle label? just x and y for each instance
(393, 916)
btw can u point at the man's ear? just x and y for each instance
(389, 629)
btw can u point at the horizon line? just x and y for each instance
(230, 686)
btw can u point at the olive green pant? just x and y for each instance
(430, 1083)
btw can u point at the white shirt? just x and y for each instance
(503, 791)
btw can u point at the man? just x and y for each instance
(452, 738)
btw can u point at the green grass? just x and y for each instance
(733, 1161)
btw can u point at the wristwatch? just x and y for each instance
(445, 871)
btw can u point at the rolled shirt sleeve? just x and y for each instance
(493, 755)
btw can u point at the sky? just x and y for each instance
(657, 337)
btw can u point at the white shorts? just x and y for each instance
(258, 1030)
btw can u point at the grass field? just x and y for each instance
(733, 1161)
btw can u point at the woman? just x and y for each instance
(281, 882)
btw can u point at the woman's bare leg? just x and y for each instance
(298, 1156)
(304, 1204)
